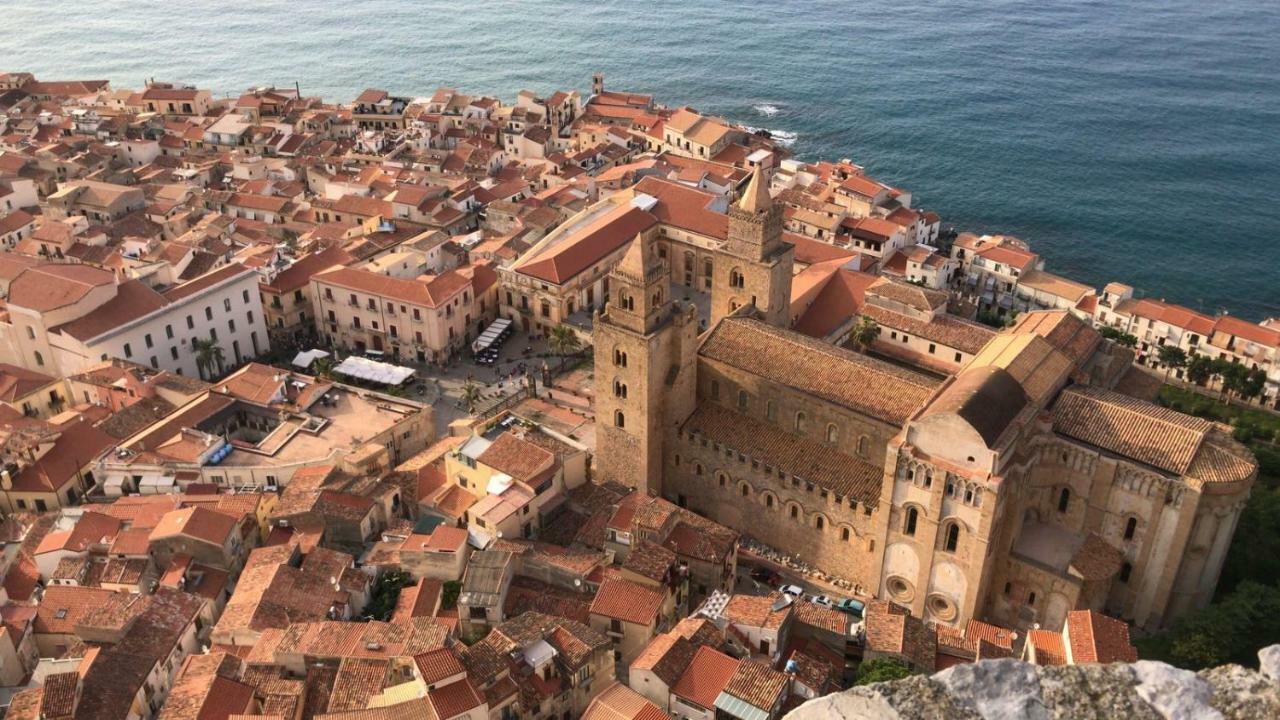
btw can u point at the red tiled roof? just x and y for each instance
(559, 263)
(1096, 638)
(1048, 647)
(297, 275)
(430, 292)
(438, 664)
(706, 677)
(627, 601)
(454, 699)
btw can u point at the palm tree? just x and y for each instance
(864, 333)
(563, 340)
(1171, 357)
(324, 368)
(471, 395)
(208, 356)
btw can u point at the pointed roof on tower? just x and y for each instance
(756, 199)
(637, 265)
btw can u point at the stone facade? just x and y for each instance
(1017, 489)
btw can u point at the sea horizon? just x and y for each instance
(1091, 131)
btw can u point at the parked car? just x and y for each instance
(822, 600)
(794, 591)
(766, 576)
(851, 606)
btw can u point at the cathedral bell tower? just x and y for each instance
(644, 350)
(754, 265)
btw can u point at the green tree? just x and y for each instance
(385, 595)
(1172, 358)
(881, 670)
(209, 357)
(1232, 376)
(563, 340)
(1253, 384)
(864, 333)
(1231, 630)
(471, 396)
(449, 595)
(1119, 336)
(1199, 369)
(1255, 548)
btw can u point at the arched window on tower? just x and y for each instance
(619, 358)
(1130, 528)
(909, 525)
(736, 279)
(620, 389)
(1064, 500)
(619, 420)
(952, 537)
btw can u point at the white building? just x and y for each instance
(64, 318)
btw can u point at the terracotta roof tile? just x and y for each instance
(1048, 647)
(1133, 428)
(757, 611)
(438, 664)
(757, 684)
(706, 677)
(1095, 638)
(868, 386)
(454, 699)
(627, 601)
(667, 656)
(619, 702)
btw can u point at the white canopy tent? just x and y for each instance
(373, 371)
(490, 335)
(306, 357)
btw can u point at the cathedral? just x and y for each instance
(1015, 490)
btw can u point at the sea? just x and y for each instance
(1127, 140)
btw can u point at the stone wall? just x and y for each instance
(1010, 689)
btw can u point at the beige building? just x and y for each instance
(99, 201)
(287, 300)
(630, 614)
(263, 425)
(169, 100)
(1018, 489)
(430, 318)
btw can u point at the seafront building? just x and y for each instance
(817, 427)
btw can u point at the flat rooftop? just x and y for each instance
(352, 420)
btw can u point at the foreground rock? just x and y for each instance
(1014, 690)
